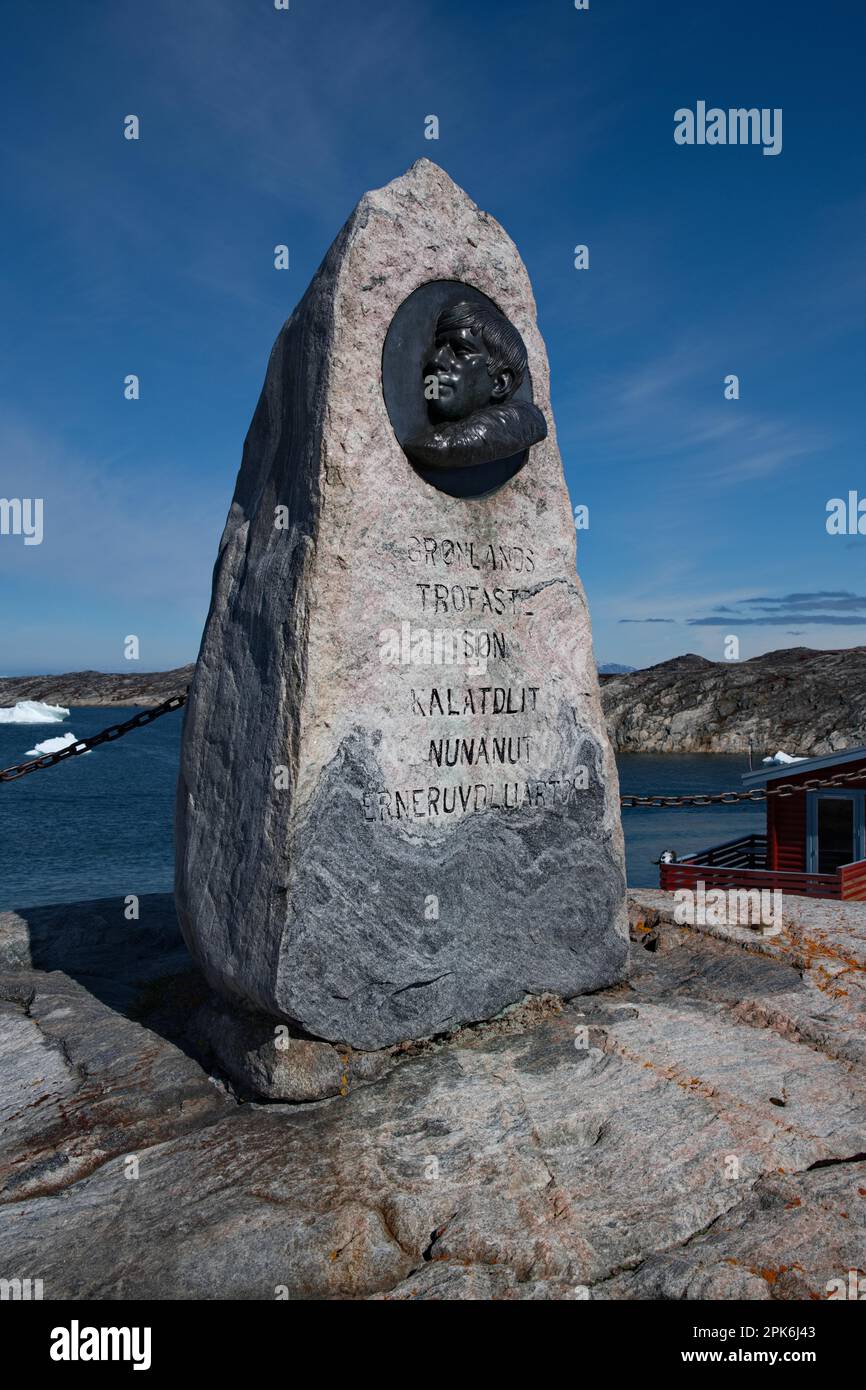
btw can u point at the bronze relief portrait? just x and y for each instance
(457, 388)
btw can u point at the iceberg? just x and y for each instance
(32, 712)
(780, 759)
(53, 745)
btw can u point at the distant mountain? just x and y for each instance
(97, 687)
(613, 668)
(798, 699)
(801, 700)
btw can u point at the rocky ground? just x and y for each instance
(804, 701)
(697, 1133)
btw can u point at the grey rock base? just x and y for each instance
(264, 1061)
(509, 921)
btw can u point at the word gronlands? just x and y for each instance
(737, 126)
(419, 647)
(22, 516)
(736, 907)
(436, 551)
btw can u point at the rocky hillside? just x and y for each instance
(97, 687)
(805, 701)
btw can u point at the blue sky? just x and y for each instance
(707, 516)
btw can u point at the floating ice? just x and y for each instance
(32, 712)
(781, 758)
(54, 745)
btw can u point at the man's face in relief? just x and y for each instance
(472, 370)
(459, 362)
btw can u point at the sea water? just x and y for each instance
(101, 826)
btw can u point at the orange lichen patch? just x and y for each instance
(862, 1191)
(795, 1203)
(826, 982)
(770, 1275)
(813, 949)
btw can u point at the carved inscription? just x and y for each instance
(481, 727)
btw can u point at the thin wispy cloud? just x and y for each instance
(835, 608)
(103, 531)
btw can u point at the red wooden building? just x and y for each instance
(815, 845)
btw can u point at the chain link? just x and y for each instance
(810, 784)
(627, 801)
(84, 745)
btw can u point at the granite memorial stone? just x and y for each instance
(397, 807)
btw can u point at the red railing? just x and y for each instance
(748, 852)
(853, 878)
(742, 864)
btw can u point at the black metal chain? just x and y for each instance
(811, 784)
(84, 745)
(627, 801)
